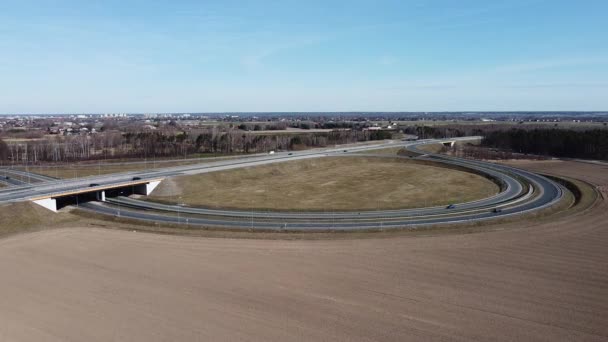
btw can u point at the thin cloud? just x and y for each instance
(388, 60)
(262, 52)
(557, 85)
(545, 64)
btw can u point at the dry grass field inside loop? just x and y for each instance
(327, 184)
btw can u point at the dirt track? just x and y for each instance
(545, 282)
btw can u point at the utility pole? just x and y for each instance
(178, 208)
(118, 205)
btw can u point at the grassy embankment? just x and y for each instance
(26, 216)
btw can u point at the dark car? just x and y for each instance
(451, 206)
(93, 185)
(136, 178)
(345, 150)
(497, 210)
(289, 154)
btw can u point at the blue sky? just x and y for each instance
(207, 56)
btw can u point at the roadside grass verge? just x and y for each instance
(26, 216)
(432, 148)
(385, 151)
(85, 170)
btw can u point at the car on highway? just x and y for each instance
(289, 154)
(497, 210)
(345, 150)
(93, 185)
(451, 206)
(136, 178)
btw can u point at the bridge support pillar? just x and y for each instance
(48, 203)
(101, 196)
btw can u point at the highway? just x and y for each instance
(56, 186)
(521, 192)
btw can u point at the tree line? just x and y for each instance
(565, 143)
(112, 144)
(115, 145)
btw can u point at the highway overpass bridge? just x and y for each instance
(95, 192)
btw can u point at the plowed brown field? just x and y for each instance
(538, 282)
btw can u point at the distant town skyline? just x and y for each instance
(293, 56)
